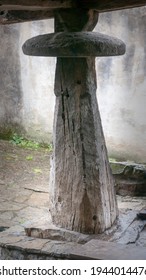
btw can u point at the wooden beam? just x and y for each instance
(100, 5)
(15, 11)
(36, 4)
(110, 5)
(9, 17)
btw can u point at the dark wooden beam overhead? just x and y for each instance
(13, 11)
(36, 4)
(111, 5)
(100, 5)
(9, 17)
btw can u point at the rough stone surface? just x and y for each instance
(14, 254)
(102, 250)
(130, 187)
(142, 238)
(125, 219)
(74, 44)
(131, 234)
(54, 233)
(142, 214)
(128, 170)
(130, 178)
(22, 247)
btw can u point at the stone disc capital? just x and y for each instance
(74, 44)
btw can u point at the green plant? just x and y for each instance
(16, 139)
(112, 160)
(25, 143)
(48, 147)
(37, 170)
(29, 157)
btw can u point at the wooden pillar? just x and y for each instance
(81, 188)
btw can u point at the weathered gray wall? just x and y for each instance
(37, 82)
(122, 85)
(10, 83)
(26, 92)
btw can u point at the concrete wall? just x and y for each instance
(37, 81)
(26, 92)
(122, 85)
(10, 83)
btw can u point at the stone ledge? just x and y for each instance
(54, 233)
(113, 244)
(130, 178)
(38, 248)
(23, 247)
(103, 250)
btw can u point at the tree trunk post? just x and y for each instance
(81, 188)
(82, 195)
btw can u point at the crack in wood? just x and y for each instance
(63, 112)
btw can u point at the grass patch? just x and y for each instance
(37, 170)
(112, 160)
(28, 144)
(29, 157)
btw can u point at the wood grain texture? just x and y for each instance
(81, 189)
(110, 5)
(12, 11)
(35, 4)
(10, 17)
(100, 5)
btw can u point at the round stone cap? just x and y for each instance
(74, 44)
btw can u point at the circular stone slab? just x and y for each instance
(74, 44)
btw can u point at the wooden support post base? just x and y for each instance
(82, 196)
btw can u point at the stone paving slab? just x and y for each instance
(31, 244)
(59, 249)
(10, 239)
(142, 238)
(103, 250)
(132, 233)
(125, 219)
(38, 198)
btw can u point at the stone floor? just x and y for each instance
(24, 204)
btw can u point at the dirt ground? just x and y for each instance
(24, 179)
(23, 166)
